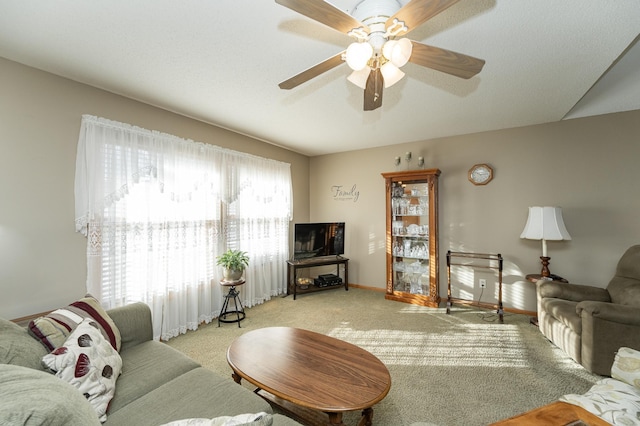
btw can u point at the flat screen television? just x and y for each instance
(318, 239)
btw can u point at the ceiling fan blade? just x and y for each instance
(312, 72)
(373, 90)
(325, 13)
(447, 61)
(417, 12)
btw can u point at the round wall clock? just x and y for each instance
(480, 174)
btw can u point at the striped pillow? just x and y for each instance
(54, 328)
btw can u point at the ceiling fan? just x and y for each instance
(378, 52)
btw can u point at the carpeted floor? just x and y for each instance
(460, 369)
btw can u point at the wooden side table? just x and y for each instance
(232, 294)
(556, 413)
(537, 277)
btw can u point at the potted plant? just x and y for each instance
(233, 263)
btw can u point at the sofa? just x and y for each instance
(154, 385)
(590, 323)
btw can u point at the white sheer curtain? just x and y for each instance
(157, 210)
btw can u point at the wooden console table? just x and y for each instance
(294, 265)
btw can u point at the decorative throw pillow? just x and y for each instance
(258, 419)
(612, 400)
(88, 362)
(54, 328)
(626, 366)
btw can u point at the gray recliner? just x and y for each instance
(590, 323)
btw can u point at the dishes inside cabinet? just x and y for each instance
(398, 227)
(413, 229)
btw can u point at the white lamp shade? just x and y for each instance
(358, 55)
(391, 74)
(398, 51)
(359, 78)
(545, 223)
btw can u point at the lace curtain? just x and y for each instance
(157, 210)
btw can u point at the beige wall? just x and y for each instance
(587, 166)
(42, 259)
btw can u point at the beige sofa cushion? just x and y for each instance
(17, 347)
(205, 395)
(31, 397)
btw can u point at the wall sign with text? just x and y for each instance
(345, 193)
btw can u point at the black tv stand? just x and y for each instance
(294, 265)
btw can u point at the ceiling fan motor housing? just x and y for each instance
(374, 11)
(374, 14)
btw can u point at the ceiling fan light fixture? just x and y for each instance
(359, 78)
(398, 51)
(391, 74)
(358, 55)
(387, 49)
(402, 52)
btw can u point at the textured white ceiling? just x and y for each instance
(221, 62)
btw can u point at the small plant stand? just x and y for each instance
(232, 294)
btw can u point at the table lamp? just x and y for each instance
(545, 223)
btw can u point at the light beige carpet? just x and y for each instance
(460, 369)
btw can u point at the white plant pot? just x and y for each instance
(232, 274)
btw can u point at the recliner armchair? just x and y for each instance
(590, 323)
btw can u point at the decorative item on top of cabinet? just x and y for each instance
(412, 236)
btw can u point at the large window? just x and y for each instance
(157, 211)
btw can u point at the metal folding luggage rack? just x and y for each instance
(476, 261)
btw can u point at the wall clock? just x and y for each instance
(480, 174)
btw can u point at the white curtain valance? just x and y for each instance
(113, 156)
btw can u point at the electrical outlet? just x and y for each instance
(483, 282)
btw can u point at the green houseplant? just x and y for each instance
(233, 263)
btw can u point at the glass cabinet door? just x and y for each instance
(410, 237)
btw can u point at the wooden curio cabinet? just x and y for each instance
(412, 236)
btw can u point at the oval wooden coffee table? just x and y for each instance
(307, 373)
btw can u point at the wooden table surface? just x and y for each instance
(310, 370)
(557, 413)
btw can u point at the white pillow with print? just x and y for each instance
(88, 362)
(626, 366)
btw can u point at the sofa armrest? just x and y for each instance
(134, 323)
(574, 292)
(623, 314)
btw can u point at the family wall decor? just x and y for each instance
(345, 193)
